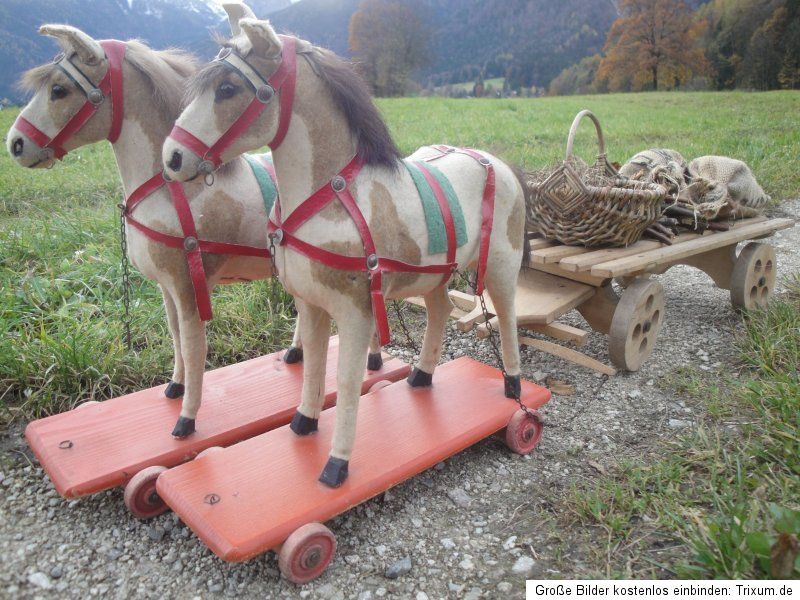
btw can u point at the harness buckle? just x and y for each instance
(206, 167)
(484, 161)
(165, 176)
(276, 237)
(190, 243)
(265, 93)
(58, 58)
(95, 96)
(223, 53)
(46, 154)
(372, 262)
(338, 183)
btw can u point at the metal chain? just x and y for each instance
(492, 339)
(401, 321)
(273, 281)
(126, 278)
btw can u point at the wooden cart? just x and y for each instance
(562, 278)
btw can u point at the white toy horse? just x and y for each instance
(136, 110)
(350, 229)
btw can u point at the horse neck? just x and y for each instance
(318, 143)
(144, 129)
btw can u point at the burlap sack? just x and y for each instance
(661, 166)
(719, 179)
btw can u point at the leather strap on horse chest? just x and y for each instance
(109, 88)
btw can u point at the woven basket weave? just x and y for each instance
(566, 208)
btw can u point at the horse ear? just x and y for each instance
(262, 36)
(87, 49)
(237, 11)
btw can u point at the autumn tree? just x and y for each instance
(389, 40)
(653, 44)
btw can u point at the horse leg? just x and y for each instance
(438, 307)
(315, 328)
(501, 283)
(175, 387)
(193, 348)
(374, 358)
(354, 340)
(294, 354)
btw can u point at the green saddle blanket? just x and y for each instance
(437, 235)
(269, 191)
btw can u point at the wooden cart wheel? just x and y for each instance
(306, 553)
(207, 451)
(379, 385)
(140, 494)
(753, 277)
(523, 432)
(636, 323)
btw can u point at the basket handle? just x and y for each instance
(574, 129)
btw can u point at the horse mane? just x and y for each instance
(159, 69)
(350, 93)
(352, 97)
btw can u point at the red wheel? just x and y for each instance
(306, 553)
(207, 451)
(379, 385)
(523, 432)
(140, 494)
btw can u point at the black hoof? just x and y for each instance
(513, 386)
(335, 472)
(303, 425)
(183, 428)
(419, 378)
(374, 361)
(293, 355)
(174, 390)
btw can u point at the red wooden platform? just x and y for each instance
(99, 446)
(248, 498)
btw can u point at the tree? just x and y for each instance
(653, 44)
(390, 40)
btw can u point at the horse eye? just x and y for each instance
(226, 90)
(57, 92)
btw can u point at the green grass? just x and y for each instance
(729, 490)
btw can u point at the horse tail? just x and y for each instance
(526, 194)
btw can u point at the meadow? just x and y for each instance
(61, 312)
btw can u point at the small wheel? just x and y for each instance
(523, 432)
(379, 385)
(635, 324)
(140, 494)
(306, 553)
(207, 451)
(753, 277)
(87, 403)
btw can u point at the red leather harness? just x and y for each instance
(111, 88)
(282, 231)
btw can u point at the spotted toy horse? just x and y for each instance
(349, 229)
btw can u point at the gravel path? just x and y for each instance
(474, 526)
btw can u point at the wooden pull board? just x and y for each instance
(267, 486)
(99, 446)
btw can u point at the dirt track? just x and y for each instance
(474, 526)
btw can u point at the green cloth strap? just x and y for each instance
(269, 191)
(437, 236)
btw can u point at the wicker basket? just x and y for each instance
(566, 208)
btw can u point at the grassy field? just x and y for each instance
(726, 500)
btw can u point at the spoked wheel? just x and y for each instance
(306, 553)
(379, 385)
(636, 323)
(523, 432)
(207, 451)
(753, 277)
(140, 494)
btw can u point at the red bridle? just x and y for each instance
(109, 88)
(282, 82)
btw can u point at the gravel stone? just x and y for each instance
(40, 580)
(401, 567)
(56, 572)
(523, 565)
(459, 497)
